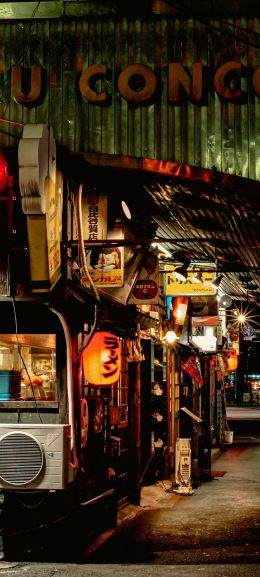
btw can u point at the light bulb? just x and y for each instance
(171, 337)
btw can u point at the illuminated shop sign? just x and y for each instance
(102, 359)
(139, 84)
(175, 287)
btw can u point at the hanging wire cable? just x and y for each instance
(82, 252)
(84, 267)
(23, 362)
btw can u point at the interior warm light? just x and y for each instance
(126, 210)
(171, 337)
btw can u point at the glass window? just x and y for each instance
(28, 367)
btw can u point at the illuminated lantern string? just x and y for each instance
(102, 360)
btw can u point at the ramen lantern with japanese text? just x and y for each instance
(102, 360)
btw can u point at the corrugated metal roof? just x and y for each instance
(200, 215)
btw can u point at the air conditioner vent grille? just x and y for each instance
(21, 458)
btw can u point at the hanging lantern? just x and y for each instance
(3, 172)
(232, 360)
(179, 310)
(102, 359)
(178, 313)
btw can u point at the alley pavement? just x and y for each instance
(218, 523)
(215, 531)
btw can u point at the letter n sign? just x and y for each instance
(102, 359)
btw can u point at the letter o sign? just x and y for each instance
(137, 83)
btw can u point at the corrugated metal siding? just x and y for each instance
(222, 134)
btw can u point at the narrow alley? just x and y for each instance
(218, 523)
(214, 530)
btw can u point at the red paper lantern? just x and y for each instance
(102, 359)
(232, 360)
(3, 172)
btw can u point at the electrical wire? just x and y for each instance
(82, 252)
(23, 362)
(69, 385)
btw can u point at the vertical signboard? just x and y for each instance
(146, 287)
(94, 210)
(40, 202)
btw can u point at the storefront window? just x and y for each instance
(28, 367)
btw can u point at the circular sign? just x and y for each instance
(247, 331)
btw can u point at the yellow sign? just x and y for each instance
(53, 234)
(187, 287)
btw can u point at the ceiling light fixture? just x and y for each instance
(217, 281)
(126, 210)
(225, 301)
(197, 277)
(161, 249)
(181, 273)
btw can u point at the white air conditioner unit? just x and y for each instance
(183, 467)
(34, 456)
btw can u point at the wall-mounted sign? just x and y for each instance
(176, 287)
(41, 204)
(146, 288)
(247, 332)
(106, 264)
(120, 294)
(102, 359)
(94, 216)
(181, 81)
(204, 333)
(203, 305)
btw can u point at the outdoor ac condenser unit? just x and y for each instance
(34, 456)
(183, 467)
